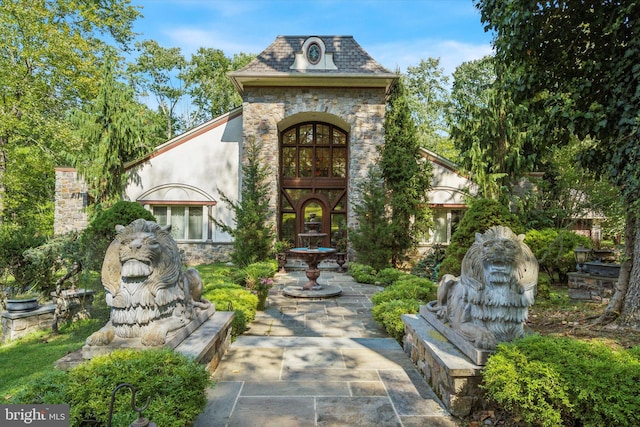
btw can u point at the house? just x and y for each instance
(316, 107)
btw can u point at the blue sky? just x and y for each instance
(396, 33)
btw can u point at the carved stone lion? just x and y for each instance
(147, 290)
(489, 302)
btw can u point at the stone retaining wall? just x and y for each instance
(587, 287)
(452, 376)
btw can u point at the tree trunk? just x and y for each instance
(4, 142)
(615, 307)
(630, 315)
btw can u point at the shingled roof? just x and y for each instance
(348, 56)
(275, 62)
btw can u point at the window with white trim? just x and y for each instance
(445, 223)
(187, 222)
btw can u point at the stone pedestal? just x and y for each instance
(206, 344)
(451, 375)
(19, 324)
(589, 287)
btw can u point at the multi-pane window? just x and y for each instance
(314, 150)
(313, 171)
(186, 221)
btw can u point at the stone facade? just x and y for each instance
(72, 198)
(359, 111)
(205, 252)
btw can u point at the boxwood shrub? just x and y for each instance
(553, 381)
(232, 297)
(175, 384)
(404, 296)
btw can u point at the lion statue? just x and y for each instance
(147, 290)
(490, 300)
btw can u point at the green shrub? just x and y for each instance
(404, 296)
(14, 241)
(429, 265)
(413, 288)
(97, 237)
(548, 381)
(481, 215)
(388, 314)
(362, 273)
(389, 275)
(234, 297)
(259, 270)
(175, 384)
(543, 289)
(553, 249)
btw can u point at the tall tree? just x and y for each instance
(574, 65)
(253, 231)
(486, 126)
(428, 94)
(207, 83)
(114, 130)
(157, 72)
(369, 237)
(407, 176)
(47, 66)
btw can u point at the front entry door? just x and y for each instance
(318, 207)
(313, 179)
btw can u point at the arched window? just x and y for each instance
(313, 176)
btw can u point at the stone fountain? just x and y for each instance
(312, 254)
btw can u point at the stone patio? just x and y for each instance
(319, 362)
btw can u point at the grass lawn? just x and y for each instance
(35, 353)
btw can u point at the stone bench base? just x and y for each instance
(207, 344)
(18, 324)
(451, 375)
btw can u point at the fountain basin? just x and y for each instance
(312, 256)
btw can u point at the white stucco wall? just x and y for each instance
(201, 164)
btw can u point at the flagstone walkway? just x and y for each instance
(321, 362)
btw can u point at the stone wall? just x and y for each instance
(452, 376)
(19, 324)
(587, 287)
(71, 199)
(205, 252)
(361, 109)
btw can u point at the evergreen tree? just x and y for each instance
(407, 176)
(113, 131)
(368, 240)
(253, 233)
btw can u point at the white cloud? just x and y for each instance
(451, 53)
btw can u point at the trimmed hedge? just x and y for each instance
(175, 384)
(553, 381)
(405, 295)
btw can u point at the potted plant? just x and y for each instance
(22, 302)
(280, 247)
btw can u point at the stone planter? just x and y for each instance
(603, 269)
(341, 258)
(22, 304)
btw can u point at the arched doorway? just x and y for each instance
(313, 178)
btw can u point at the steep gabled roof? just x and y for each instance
(273, 66)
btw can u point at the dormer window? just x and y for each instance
(313, 57)
(314, 53)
